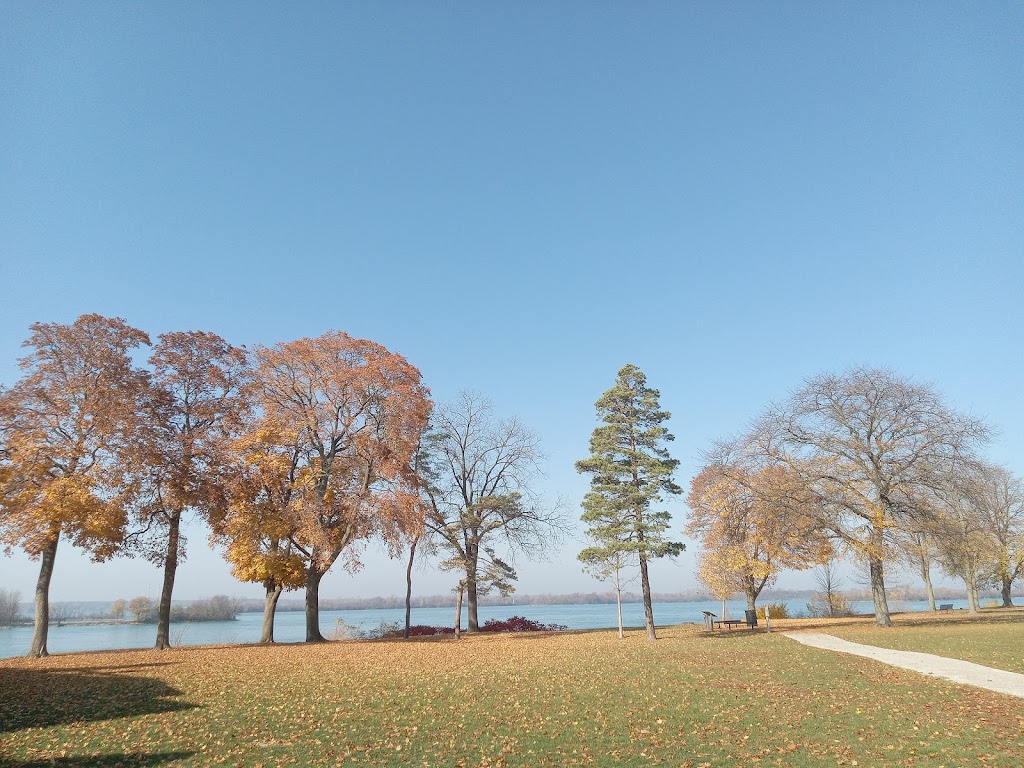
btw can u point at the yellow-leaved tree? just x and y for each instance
(753, 524)
(259, 521)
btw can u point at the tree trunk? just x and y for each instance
(972, 593)
(875, 568)
(472, 620)
(274, 590)
(163, 626)
(458, 612)
(618, 600)
(751, 599)
(645, 584)
(313, 577)
(42, 626)
(926, 576)
(1005, 587)
(408, 586)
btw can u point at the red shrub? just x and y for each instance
(519, 624)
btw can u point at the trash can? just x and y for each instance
(751, 618)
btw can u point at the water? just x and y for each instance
(290, 626)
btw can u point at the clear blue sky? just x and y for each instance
(523, 197)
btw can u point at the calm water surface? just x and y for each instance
(289, 626)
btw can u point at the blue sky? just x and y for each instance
(521, 198)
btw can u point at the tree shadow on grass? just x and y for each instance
(725, 635)
(39, 698)
(136, 760)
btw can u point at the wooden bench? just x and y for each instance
(946, 607)
(730, 623)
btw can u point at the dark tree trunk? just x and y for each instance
(42, 626)
(163, 626)
(645, 583)
(274, 590)
(751, 591)
(472, 619)
(1004, 591)
(458, 612)
(408, 586)
(875, 568)
(313, 577)
(618, 599)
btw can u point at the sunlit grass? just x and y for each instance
(994, 638)
(586, 698)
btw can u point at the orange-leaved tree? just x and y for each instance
(194, 409)
(65, 426)
(754, 524)
(354, 413)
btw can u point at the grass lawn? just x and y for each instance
(498, 700)
(995, 637)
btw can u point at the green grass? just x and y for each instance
(524, 700)
(994, 638)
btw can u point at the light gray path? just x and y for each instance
(958, 671)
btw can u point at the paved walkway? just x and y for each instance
(963, 672)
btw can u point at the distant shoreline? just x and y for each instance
(92, 611)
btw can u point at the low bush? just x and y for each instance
(519, 624)
(776, 610)
(829, 606)
(345, 631)
(511, 624)
(421, 630)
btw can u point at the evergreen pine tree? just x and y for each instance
(630, 469)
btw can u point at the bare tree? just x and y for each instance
(830, 600)
(607, 564)
(965, 545)
(1002, 507)
(482, 497)
(62, 613)
(9, 607)
(920, 550)
(867, 444)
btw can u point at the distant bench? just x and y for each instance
(730, 623)
(946, 607)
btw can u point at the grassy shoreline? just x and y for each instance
(573, 698)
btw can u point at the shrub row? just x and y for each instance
(511, 624)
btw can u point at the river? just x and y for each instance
(289, 626)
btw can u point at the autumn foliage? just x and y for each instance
(66, 427)
(752, 525)
(293, 461)
(328, 462)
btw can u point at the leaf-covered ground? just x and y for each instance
(994, 638)
(499, 700)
